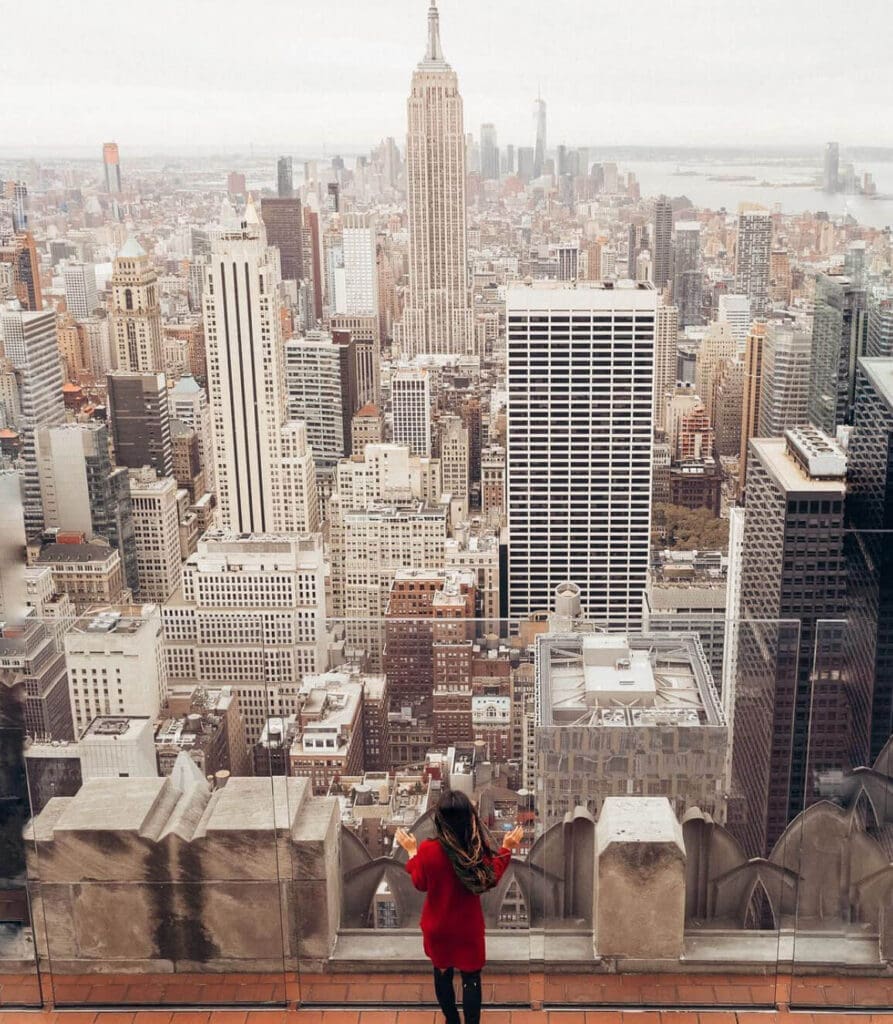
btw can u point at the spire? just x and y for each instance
(434, 55)
(251, 216)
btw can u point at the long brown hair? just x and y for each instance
(465, 841)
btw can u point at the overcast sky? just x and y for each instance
(303, 74)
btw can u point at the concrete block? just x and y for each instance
(639, 893)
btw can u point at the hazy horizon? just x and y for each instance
(671, 74)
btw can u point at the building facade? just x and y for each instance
(580, 397)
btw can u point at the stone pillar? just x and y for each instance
(639, 897)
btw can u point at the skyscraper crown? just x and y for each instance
(434, 58)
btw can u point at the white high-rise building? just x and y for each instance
(315, 380)
(784, 391)
(29, 341)
(358, 244)
(81, 296)
(411, 405)
(717, 345)
(251, 614)
(666, 350)
(13, 588)
(156, 531)
(580, 407)
(263, 467)
(189, 405)
(437, 317)
(734, 310)
(115, 661)
(368, 548)
(752, 254)
(97, 345)
(136, 311)
(385, 473)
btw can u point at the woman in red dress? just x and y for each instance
(453, 870)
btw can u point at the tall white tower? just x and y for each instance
(263, 465)
(580, 394)
(81, 296)
(31, 345)
(136, 311)
(438, 316)
(358, 246)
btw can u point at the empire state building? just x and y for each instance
(438, 317)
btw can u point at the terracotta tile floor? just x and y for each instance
(430, 1017)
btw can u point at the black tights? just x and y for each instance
(446, 995)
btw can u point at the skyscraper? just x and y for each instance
(735, 311)
(752, 396)
(792, 716)
(489, 153)
(666, 335)
(784, 397)
(539, 153)
(411, 403)
(437, 317)
(359, 233)
(136, 311)
(80, 290)
(880, 327)
(29, 340)
(752, 256)
(717, 345)
(285, 184)
(249, 603)
(139, 416)
(869, 551)
(832, 167)
(189, 404)
(21, 256)
(662, 243)
(82, 492)
(321, 390)
(112, 168)
(284, 226)
(156, 530)
(580, 394)
(264, 468)
(839, 335)
(687, 272)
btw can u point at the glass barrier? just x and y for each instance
(837, 848)
(20, 982)
(213, 815)
(650, 816)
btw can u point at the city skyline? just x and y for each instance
(177, 89)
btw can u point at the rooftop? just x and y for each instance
(55, 553)
(111, 728)
(126, 620)
(880, 373)
(788, 473)
(601, 679)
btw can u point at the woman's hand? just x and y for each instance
(514, 839)
(408, 841)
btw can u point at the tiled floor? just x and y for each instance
(430, 1017)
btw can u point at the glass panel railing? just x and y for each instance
(649, 814)
(20, 983)
(436, 694)
(837, 847)
(237, 844)
(153, 851)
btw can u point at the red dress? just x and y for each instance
(452, 921)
